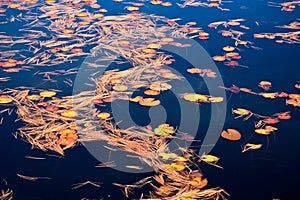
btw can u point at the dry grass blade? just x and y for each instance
(6, 194)
(35, 158)
(79, 185)
(107, 164)
(31, 178)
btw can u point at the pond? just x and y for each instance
(179, 99)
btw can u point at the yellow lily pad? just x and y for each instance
(175, 166)
(181, 159)
(155, 2)
(241, 111)
(263, 131)
(195, 97)
(5, 99)
(103, 115)
(228, 48)
(103, 10)
(47, 94)
(120, 88)
(215, 99)
(132, 8)
(153, 46)
(187, 198)
(149, 102)
(136, 99)
(167, 156)
(34, 97)
(151, 92)
(148, 50)
(269, 95)
(69, 113)
(209, 158)
(164, 129)
(250, 146)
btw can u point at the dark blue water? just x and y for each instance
(269, 173)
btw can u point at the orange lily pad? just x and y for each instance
(231, 134)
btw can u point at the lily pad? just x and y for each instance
(4, 99)
(164, 129)
(47, 94)
(149, 102)
(69, 113)
(103, 115)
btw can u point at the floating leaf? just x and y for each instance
(164, 129)
(215, 99)
(160, 86)
(47, 94)
(14, 5)
(68, 31)
(103, 115)
(195, 97)
(168, 156)
(136, 99)
(247, 90)
(270, 120)
(149, 102)
(211, 74)
(132, 8)
(269, 95)
(167, 39)
(198, 182)
(283, 116)
(52, 108)
(151, 92)
(194, 70)
(209, 158)
(241, 111)
(5, 99)
(166, 3)
(271, 128)
(249, 146)
(153, 46)
(294, 96)
(175, 166)
(148, 50)
(181, 159)
(187, 198)
(263, 131)
(69, 113)
(67, 140)
(231, 134)
(228, 48)
(219, 58)
(266, 85)
(155, 2)
(120, 88)
(170, 75)
(67, 131)
(34, 97)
